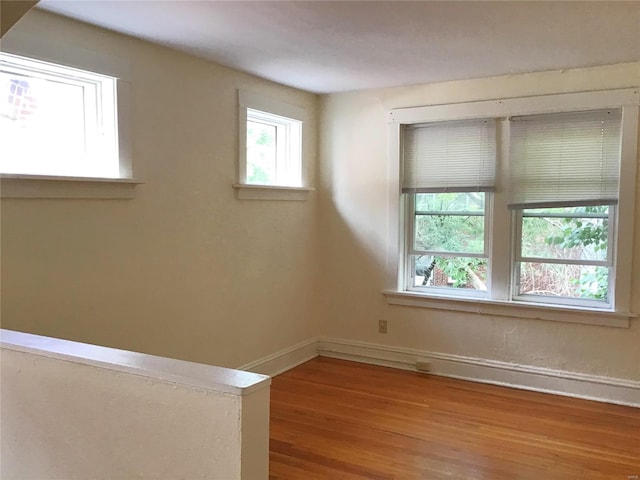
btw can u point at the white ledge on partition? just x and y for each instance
(179, 372)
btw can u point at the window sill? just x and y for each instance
(45, 186)
(269, 192)
(512, 309)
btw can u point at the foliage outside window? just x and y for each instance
(448, 247)
(565, 252)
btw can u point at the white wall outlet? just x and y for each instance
(382, 326)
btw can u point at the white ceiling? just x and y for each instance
(325, 46)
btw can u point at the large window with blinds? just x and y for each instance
(527, 201)
(563, 188)
(448, 174)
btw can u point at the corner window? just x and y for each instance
(271, 163)
(519, 201)
(57, 120)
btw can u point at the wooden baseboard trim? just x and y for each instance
(559, 382)
(284, 360)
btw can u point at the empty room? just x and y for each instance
(320, 240)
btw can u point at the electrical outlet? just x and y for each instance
(382, 326)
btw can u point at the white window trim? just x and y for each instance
(483, 306)
(48, 186)
(246, 191)
(500, 302)
(43, 186)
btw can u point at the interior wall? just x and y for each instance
(184, 269)
(11, 11)
(354, 181)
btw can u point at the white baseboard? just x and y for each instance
(284, 360)
(559, 382)
(591, 387)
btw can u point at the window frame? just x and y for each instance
(500, 299)
(58, 52)
(287, 113)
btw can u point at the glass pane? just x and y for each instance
(566, 237)
(561, 280)
(42, 126)
(451, 272)
(458, 229)
(261, 153)
(450, 202)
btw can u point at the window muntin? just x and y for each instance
(57, 120)
(447, 247)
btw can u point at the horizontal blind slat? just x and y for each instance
(565, 158)
(449, 156)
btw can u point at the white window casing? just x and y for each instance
(291, 181)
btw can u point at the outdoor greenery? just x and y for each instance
(260, 153)
(581, 235)
(450, 226)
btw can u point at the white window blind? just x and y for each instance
(565, 159)
(455, 156)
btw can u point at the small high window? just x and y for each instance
(56, 120)
(271, 162)
(274, 154)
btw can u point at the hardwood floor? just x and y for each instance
(332, 419)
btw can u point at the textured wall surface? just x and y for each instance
(355, 223)
(74, 421)
(183, 270)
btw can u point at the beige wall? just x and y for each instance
(355, 224)
(184, 270)
(11, 11)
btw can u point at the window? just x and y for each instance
(564, 253)
(564, 182)
(271, 149)
(448, 170)
(447, 246)
(518, 202)
(57, 120)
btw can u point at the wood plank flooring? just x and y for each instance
(332, 419)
